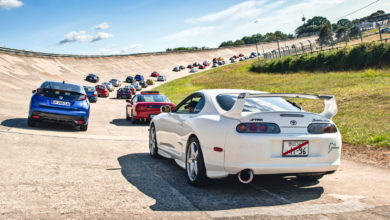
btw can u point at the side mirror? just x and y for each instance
(166, 108)
(34, 91)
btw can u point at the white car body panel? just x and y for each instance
(259, 152)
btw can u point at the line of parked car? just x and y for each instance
(216, 61)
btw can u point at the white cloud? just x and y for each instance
(10, 4)
(101, 36)
(132, 48)
(83, 36)
(74, 36)
(189, 33)
(246, 9)
(102, 26)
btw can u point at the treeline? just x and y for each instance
(186, 48)
(258, 38)
(342, 30)
(349, 58)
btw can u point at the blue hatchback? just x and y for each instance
(59, 102)
(91, 93)
(139, 77)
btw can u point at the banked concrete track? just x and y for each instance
(57, 172)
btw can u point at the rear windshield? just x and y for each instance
(63, 87)
(226, 102)
(152, 98)
(89, 89)
(60, 94)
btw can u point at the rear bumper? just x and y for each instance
(263, 155)
(92, 98)
(146, 115)
(60, 116)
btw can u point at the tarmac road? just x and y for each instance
(56, 171)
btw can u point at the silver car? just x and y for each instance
(137, 86)
(115, 82)
(109, 86)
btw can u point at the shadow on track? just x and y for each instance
(49, 126)
(164, 181)
(124, 122)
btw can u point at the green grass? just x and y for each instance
(363, 97)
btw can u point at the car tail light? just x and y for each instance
(83, 97)
(141, 107)
(93, 94)
(269, 128)
(34, 116)
(321, 128)
(80, 122)
(39, 92)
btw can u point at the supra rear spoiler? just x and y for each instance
(330, 109)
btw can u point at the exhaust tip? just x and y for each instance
(245, 176)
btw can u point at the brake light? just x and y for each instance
(39, 92)
(84, 97)
(321, 128)
(269, 128)
(141, 108)
(93, 94)
(80, 122)
(34, 116)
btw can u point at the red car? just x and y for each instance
(124, 93)
(102, 90)
(155, 74)
(241, 55)
(202, 67)
(146, 105)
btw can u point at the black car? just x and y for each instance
(143, 84)
(196, 64)
(176, 69)
(92, 78)
(123, 93)
(130, 79)
(182, 67)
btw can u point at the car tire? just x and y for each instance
(309, 178)
(153, 150)
(83, 127)
(31, 122)
(195, 169)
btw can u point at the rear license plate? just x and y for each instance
(295, 148)
(56, 102)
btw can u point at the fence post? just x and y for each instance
(379, 29)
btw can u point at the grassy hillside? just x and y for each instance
(363, 97)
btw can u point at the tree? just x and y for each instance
(379, 12)
(340, 32)
(312, 26)
(344, 22)
(325, 35)
(354, 31)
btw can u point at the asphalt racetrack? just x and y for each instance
(54, 171)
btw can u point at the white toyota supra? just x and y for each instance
(219, 132)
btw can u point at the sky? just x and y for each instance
(138, 26)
